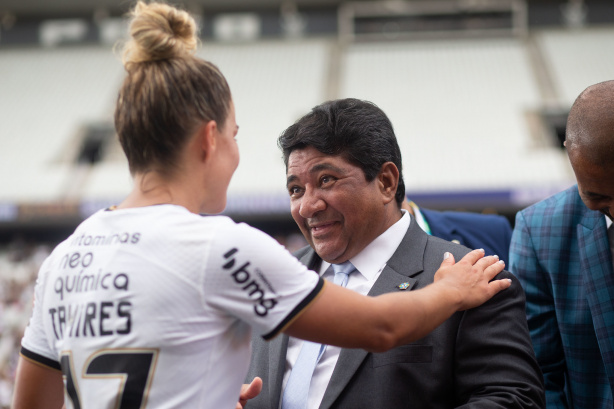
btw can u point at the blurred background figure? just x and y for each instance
(490, 232)
(453, 76)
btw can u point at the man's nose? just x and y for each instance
(311, 203)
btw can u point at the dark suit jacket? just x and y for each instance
(474, 230)
(561, 255)
(480, 358)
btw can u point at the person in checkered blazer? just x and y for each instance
(561, 252)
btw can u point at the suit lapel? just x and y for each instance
(402, 266)
(598, 278)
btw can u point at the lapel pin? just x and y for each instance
(403, 286)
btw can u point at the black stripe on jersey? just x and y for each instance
(39, 359)
(296, 311)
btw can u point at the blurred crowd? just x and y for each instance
(19, 265)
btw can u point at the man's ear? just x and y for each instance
(388, 179)
(206, 138)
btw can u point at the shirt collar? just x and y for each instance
(370, 261)
(608, 222)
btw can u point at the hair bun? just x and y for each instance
(159, 32)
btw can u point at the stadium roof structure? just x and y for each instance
(58, 7)
(68, 7)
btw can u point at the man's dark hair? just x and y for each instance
(357, 130)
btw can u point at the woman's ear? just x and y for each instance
(207, 138)
(388, 179)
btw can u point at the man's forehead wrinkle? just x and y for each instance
(324, 166)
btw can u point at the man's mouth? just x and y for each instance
(318, 229)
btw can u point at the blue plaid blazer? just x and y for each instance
(560, 253)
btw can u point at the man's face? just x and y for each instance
(337, 210)
(595, 184)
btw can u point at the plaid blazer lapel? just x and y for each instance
(598, 278)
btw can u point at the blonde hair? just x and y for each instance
(158, 32)
(168, 91)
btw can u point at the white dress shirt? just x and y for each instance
(608, 225)
(369, 264)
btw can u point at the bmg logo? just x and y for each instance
(243, 277)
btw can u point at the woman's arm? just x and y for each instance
(344, 318)
(37, 387)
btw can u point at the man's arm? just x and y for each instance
(540, 311)
(495, 363)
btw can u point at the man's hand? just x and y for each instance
(249, 392)
(470, 278)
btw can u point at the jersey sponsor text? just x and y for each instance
(249, 284)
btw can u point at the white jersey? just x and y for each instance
(153, 307)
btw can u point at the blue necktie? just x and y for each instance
(297, 389)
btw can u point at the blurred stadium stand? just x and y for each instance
(478, 92)
(483, 86)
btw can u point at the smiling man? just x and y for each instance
(323, 201)
(561, 252)
(344, 178)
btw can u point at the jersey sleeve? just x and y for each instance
(255, 279)
(34, 344)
